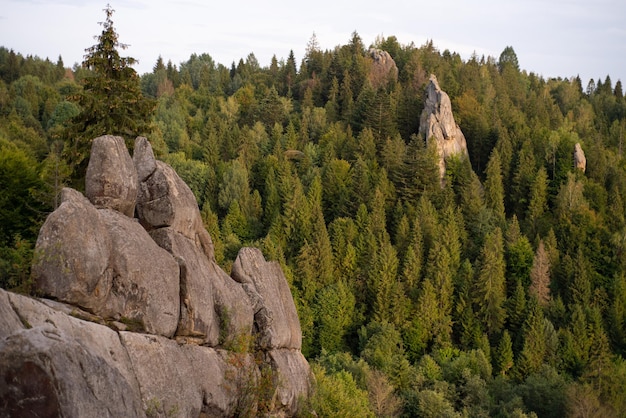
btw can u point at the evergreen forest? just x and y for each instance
(499, 291)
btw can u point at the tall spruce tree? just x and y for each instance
(490, 284)
(111, 101)
(494, 188)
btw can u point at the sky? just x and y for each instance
(552, 38)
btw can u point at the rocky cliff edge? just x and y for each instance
(137, 319)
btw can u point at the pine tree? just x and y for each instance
(382, 279)
(111, 100)
(504, 354)
(617, 312)
(346, 99)
(412, 263)
(522, 179)
(538, 200)
(580, 285)
(467, 328)
(494, 188)
(439, 273)
(490, 291)
(516, 311)
(519, 259)
(540, 275)
(534, 347)
(334, 311)
(320, 240)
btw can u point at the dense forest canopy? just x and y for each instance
(500, 293)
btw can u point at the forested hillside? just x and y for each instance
(500, 291)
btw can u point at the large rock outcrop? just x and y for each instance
(106, 263)
(56, 365)
(437, 123)
(140, 320)
(383, 69)
(580, 161)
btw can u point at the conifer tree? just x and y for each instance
(504, 354)
(534, 347)
(382, 279)
(439, 272)
(467, 328)
(490, 292)
(617, 312)
(494, 188)
(334, 310)
(522, 179)
(538, 200)
(346, 98)
(320, 240)
(540, 275)
(412, 263)
(111, 100)
(516, 310)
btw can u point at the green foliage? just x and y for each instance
(15, 265)
(490, 290)
(544, 392)
(21, 211)
(334, 313)
(337, 395)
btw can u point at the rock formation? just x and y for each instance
(103, 261)
(141, 320)
(383, 68)
(437, 123)
(111, 179)
(580, 161)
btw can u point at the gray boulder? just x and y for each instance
(57, 365)
(214, 308)
(73, 253)
(276, 319)
(110, 276)
(111, 179)
(164, 200)
(437, 123)
(107, 264)
(145, 286)
(9, 321)
(292, 379)
(184, 380)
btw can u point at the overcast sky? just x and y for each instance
(553, 38)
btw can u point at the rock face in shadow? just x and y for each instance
(140, 320)
(437, 123)
(291, 377)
